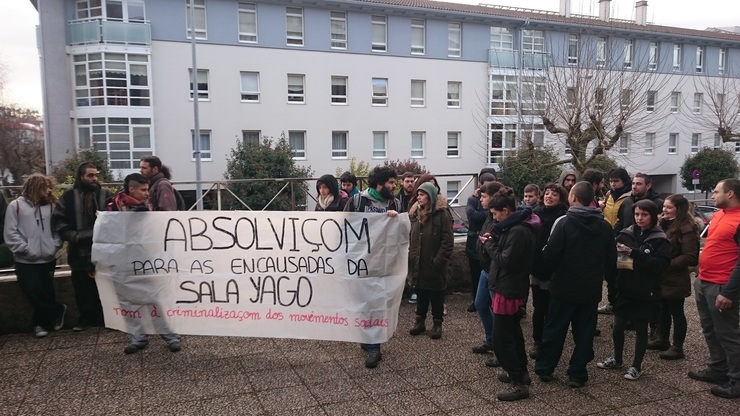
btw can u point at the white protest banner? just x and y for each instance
(307, 275)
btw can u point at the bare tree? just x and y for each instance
(21, 144)
(721, 95)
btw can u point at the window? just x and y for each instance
(380, 91)
(339, 90)
(653, 56)
(294, 26)
(338, 30)
(675, 101)
(720, 104)
(649, 143)
(503, 95)
(202, 80)
(380, 144)
(571, 96)
(453, 188)
(625, 99)
(379, 34)
(624, 141)
(124, 141)
(699, 59)
(417, 36)
(502, 142)
(454, 40)
(296, 91)
(453, 144)
(297, 141)
(533, 41)
(113, 79)
(417, 144)
(417, 93)
(89, 9)
(502, 39)
(453, 94)
(601, 46)
(651, 99)
(247, 22)
(695, 142)
(205, 145)
(698, 99)
(251, 136)
(250, 87)
(599, 97)
(676, 57)
(722, 60)
(339, 145)
(199, 15)
(737, 147)
(572, 49)
(532, 95)
(114, 10)
(628, 48)
(717, 141)
(672, 143)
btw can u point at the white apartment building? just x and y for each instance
(455, 86)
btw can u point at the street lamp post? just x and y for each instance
(196, 115)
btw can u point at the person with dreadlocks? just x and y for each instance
(73, 219)
(34, 244)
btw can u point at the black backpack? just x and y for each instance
(181, 206)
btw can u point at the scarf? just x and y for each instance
(375, 194)
(325, 201)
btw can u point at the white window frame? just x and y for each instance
(205, 145)
(602, 44)
(96, 73)
(199, 7)
(699, 59)
(380, 92)
(452, 189)
(339, 150)
(717, 141)
(294, 37)
(418, 93)
(122, 140)
(336, 83)
(502, 39)
(453, 144)
(299, 153)
(624, 144)
(673, 143)
(250, 93)
(677, 52)
(247, 139)
(651, 100)
(698, 101)
(625, 99)
(297, 97)
(737, 147)
(572, 49)
(653, 54)
(203, 95)
(247, 16)
(533, 41)
(675, 102)
(722, 61)
(417, 149)
(649, 143)
(338, 29)
(454, 40)
(599, 98)
(379, 27)
(695, 142)
(418, 36)
(628, 53)
(454, 98)
(380, 152)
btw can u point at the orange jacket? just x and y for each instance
(720, 254)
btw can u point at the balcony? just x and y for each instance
(103, 31)
(511, 59)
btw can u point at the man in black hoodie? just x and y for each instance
(581, 250)
(73, 219)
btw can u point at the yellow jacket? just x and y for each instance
(611, 207)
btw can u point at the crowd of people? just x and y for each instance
(560, 243)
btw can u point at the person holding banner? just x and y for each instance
(430, 248)
(377, 198)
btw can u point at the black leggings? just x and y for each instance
(641, 339)
(672, 310)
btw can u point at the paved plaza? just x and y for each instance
(87, 373)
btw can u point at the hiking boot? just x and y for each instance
(419, 327)
(504, 378)
(545, 378)
(174, 346)
(483, 349)
(492, 362)
(518, 391)
(706, 375)
(472, 308)
(673, 353)
(633, 374)
(60, 318)
(609, 363)
(134, 348)
(729, 390)
(373, 358)
(40, 332)
(658, 344)
(607, 309)
(412, 298)
(436, 332)
(575, 383)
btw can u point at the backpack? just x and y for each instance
(357, 203)
(181, 206)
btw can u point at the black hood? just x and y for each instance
(492, 171)
(331, 183)
(588, 219)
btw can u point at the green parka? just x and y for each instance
(430, 247)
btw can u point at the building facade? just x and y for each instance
(457, 87)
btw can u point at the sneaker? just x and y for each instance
(609, 363)
(79, 327)
(60, 319)
(492, 362)
(575, 383)
(729, 390)
(412, 298)
(472, 308)
(373, 358)
(174, 346)
(545, 378)
(40, 332)
(607, 309)
(483, 349)
(706, 375)
(133, 348)
(504, 378)
(444, 309)
(633, 374)
(518, 391)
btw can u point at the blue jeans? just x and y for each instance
(370, 347)
(483, 306)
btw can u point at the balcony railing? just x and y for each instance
(511, 59)
(103, 31)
